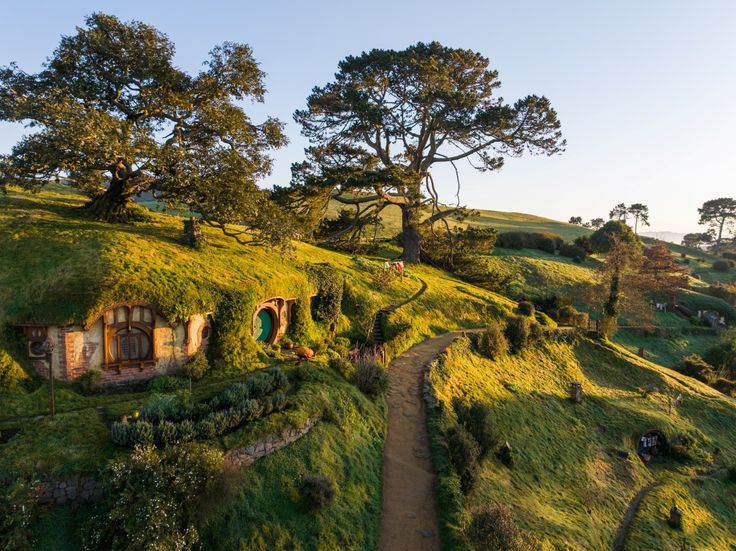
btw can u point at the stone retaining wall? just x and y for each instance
(78, 490)
(69, 492)
(243, 457)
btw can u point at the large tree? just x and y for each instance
(390, 117)
(718, 213)
(640, 213)
(114, 116)
(619, 212)
(697, 240)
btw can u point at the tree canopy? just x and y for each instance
(604, 237)
(112, 115)
(718, 214)
(390, 116)
(640, 213)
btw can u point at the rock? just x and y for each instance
(304, 353)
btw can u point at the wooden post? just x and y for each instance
(675, 519)
(576, 392)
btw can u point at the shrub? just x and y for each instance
(121, 434)
(731, 474)
(548, 242)
(196, 366)
(205, 429)
(166, 384)
(19, 506)
(584, 243)
(11, 373)
(526, 308)
(476, 419)
(570, 250)
(696, 367)
(464, 453)
(726, 386)
(166, 433)
(343, 367)
(506, 455)
(492, 342)
(141, 433)
(371, 377)
(493, 528)
(722, 265)
(186, 432)
(602, 239)
(521, 332)
(164, 489)
(326, 306)
(89, 380)
(729, 256)
(317, 492)
(164, 407)
(232, 342)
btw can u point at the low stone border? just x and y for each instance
(73, 491)
(244, 457)
(78, 490)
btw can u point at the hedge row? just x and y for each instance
(214, 424)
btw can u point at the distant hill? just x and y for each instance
(669, 236)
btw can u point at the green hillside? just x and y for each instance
(568, 486)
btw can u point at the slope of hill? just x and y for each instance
(569, 485)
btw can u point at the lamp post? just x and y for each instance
(48, 349)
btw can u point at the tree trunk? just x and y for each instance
(720, 235)
(410, 236)
(113, 205)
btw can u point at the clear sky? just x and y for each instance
(645, 90)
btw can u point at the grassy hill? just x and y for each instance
(568, 485)
(58, 267)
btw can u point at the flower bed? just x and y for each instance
(171, 418)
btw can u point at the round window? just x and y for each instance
(205, 332)
(264, 325)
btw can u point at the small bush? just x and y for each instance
(526, 308)
(141, 433)
(343, 367)
(570, 250)
(521, 332)
(164, 407)
(722, 265)
(493, 527)
(506, 455)
(371, 378)
(317, 492)
(731, 474)
(196, 366)
(166, 384)
(726, 386)
(11, 373)
(547, 242)
(464, 453)
(476, 419)
(696, 367)
(121, 434)
(89, 380)
(492, 342)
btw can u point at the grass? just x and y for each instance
(666, 351)
(568, 487)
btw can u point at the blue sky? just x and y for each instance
(645, 90)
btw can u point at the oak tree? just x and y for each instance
(114, 116)
(390, 116)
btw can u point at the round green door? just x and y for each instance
(263, 326)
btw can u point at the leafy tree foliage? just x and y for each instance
(154, 498)
(619, 212)
(390, 116)
(576, 220)
(640, 213)
(603, 238)
(114, 117)
(661, 275)
(718, 214)
(596, 223)
(697, 240)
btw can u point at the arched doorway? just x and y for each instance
(265, 325)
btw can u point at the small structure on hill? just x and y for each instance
(133, 342)
(652, 445)
(576, 392)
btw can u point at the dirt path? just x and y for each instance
(623, 529)
(409, 515)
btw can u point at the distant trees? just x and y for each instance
(390, 116)
(659, 272)
(596, 223)
(576, 220)
(718, 213)
(697, 240)
(115, 117)
(640, 213)
(619, 212)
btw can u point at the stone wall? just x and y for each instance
(78, 490)
(243, 457)
(69, 492)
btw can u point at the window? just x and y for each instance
(128, 336)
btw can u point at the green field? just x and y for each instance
(568, 486)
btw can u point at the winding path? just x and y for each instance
(409, 513)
